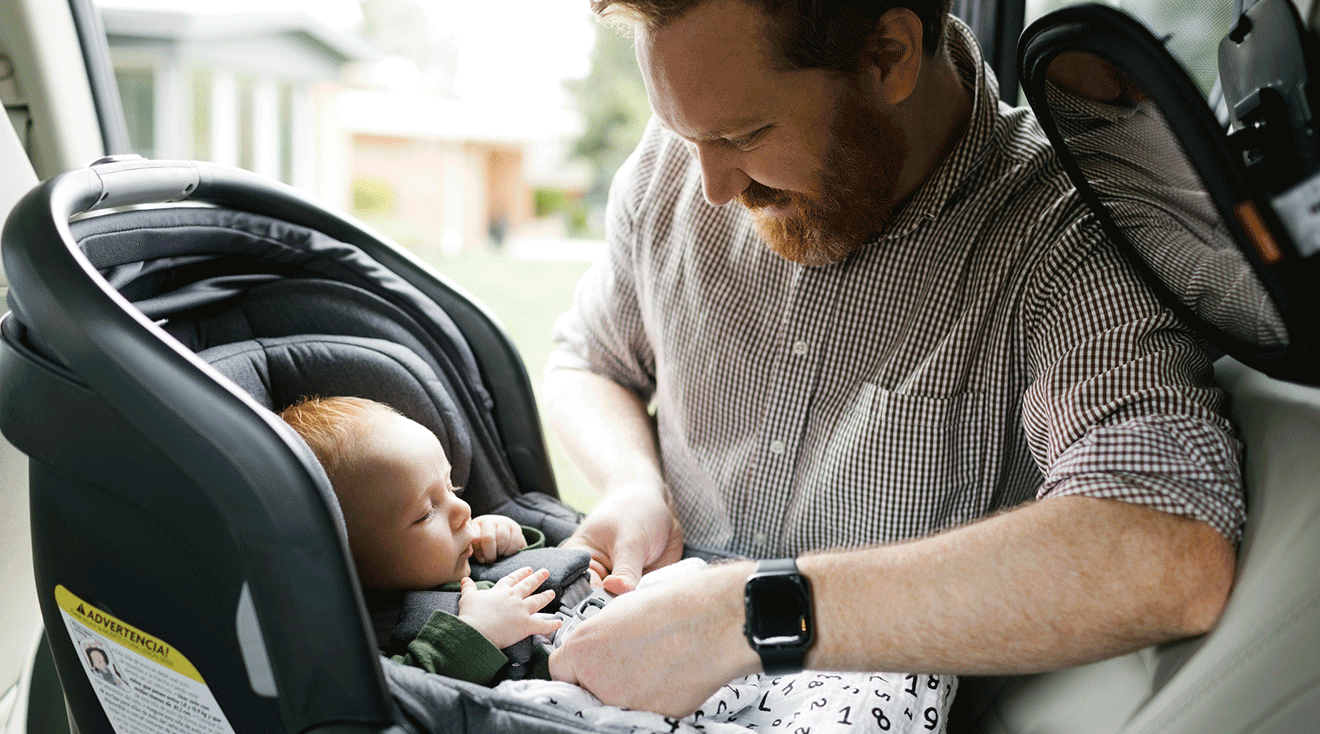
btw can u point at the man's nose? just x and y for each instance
(721, 178)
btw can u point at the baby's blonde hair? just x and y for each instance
(331, 426)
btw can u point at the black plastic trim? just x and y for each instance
(996, 25)
(101, 76)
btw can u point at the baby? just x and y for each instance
(408, 529)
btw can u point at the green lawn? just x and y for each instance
(527, 297)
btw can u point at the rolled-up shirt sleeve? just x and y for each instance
(1122, 403)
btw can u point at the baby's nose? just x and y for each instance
(461, 514)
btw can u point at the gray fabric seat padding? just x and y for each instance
(434, 704)
(285, 312)
(294, 307)
(280, 371)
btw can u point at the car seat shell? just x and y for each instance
(173, 500)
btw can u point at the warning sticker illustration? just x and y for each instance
(143, 683)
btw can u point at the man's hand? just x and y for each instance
(497, 536)
(630, 532)
(608, 432)
(665, 648)
(506, 612)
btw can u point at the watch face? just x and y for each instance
(779, 612)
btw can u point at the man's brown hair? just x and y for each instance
(812, 34)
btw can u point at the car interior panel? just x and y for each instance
(19, 615)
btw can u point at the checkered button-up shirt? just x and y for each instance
(989, 347)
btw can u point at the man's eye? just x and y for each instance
(748, 140)
(429, 514)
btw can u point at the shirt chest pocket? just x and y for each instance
(896, 466)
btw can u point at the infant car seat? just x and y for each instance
(191, 566)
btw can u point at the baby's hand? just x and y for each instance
(497, 536)
(506, 612)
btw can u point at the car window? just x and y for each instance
(484, 147)
(1191, 29)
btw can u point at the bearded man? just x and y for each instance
(854, 317)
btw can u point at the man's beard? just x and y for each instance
(855, 198)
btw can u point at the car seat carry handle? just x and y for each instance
(128, 180)
(275, 510)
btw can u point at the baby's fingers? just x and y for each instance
(486, 546)
(537, 602)
(515, 577)
(503, 539)
(529, 583)
(544, 624)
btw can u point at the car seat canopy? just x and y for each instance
(286, 312)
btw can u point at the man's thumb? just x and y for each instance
(627, 571)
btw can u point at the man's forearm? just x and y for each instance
(1058, 583)
(1054, 584)
(605, 429)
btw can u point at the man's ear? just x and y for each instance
(896, 54)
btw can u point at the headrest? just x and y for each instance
(278, 372)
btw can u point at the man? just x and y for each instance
(851, 303)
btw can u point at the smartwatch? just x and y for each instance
(779, 624)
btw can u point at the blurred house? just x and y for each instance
(255, 90)
(444, 175)
(282, 94)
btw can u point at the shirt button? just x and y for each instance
(800, 348)
(776, 447)
(758, 538)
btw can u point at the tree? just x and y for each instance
(405, 28)
(612, 99)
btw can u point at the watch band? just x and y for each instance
(775, 661)
(781, 662)
(777, 565)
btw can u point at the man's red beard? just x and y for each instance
(855, 198)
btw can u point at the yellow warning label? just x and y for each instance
(116, 630)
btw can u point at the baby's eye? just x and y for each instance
(430, 513)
